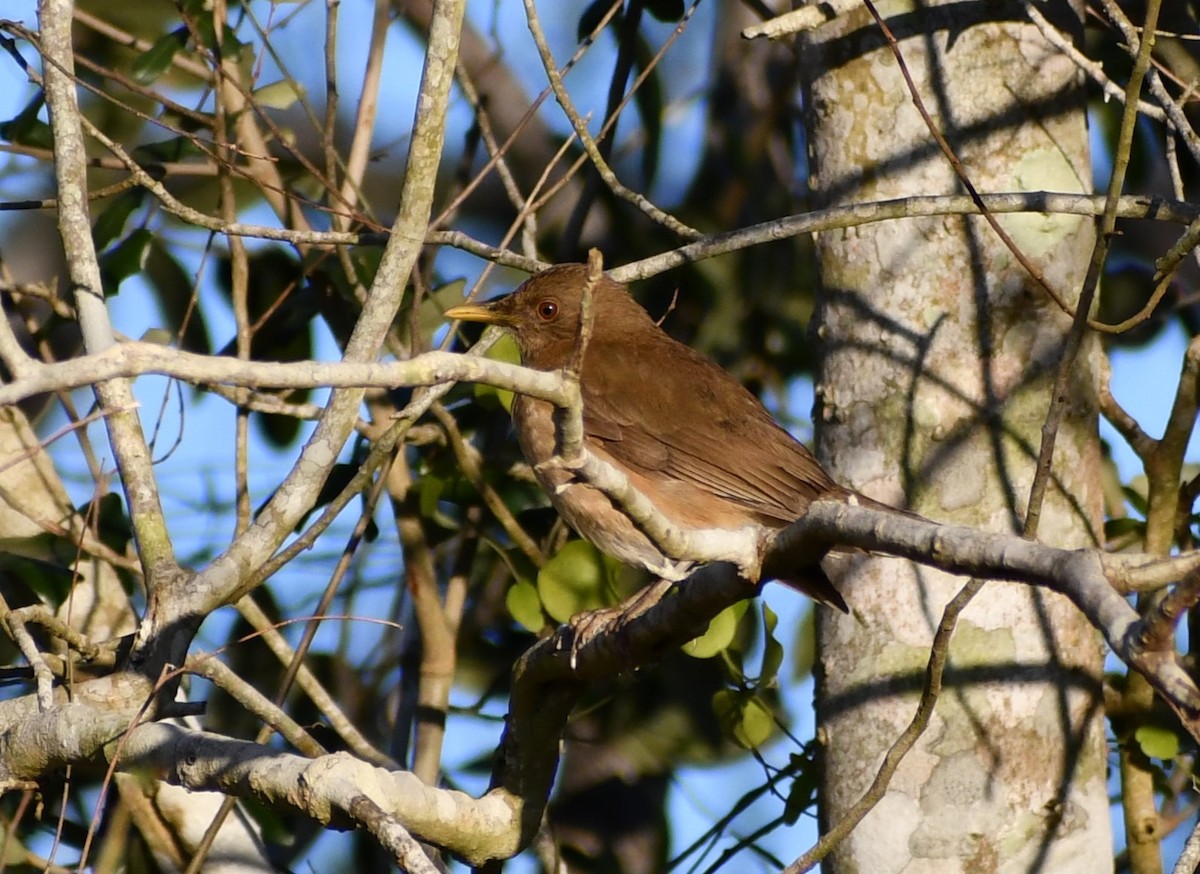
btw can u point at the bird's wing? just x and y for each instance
(644, 412)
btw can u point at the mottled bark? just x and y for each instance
(938, 360)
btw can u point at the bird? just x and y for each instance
(690, 437)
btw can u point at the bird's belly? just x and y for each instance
(595, 518)
(593, 515)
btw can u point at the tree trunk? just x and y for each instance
(938, 357)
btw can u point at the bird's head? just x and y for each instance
(543, 314)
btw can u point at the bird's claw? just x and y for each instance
(557, 462)
(672, 571)
(588, 626)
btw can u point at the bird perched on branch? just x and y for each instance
(689, 436)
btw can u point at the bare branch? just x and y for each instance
(581, 131)
(477, 830)
(138, 358)
(854, 215)
(70, 167)
(1082, 575)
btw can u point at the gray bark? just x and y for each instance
(938, 359)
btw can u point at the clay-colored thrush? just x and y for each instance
(689, 436)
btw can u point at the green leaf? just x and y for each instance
(125, 259)
(573, 581)
(804, 644)
(49, 580)
(156, 60)
(772, 648)
(1136, 493)
(111, 221)
(157, 336)
(1118, 527)
(504, 349)
(206, 35)
(26, 128)
(274, 825)
(166, 278)
(649, 102)
(277, 95)
(665, 10)
(1157, 742)
(744, 717)
(432, 313)
(114, 527)
(525, 606)
(727, 705)
(431, 491)
(802, 796)
(591, 17)
(757, 724)
(720, 633)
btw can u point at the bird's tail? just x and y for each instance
(811, 580)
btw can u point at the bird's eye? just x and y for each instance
(547, 310)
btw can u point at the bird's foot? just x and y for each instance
(587, 627)
(583, 628)
(557, 463)
(671, 571)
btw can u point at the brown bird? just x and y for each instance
(689, 436)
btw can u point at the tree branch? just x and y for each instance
(326, 789)
(116, 397)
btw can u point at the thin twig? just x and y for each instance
(41, 671)
(524, 121)
(589, 144)
(468, 462)
(325, 703)
(507, 180)
(1093, 69)
(1189, 859)
(124, 430)
(960, 171)
(1060, 397)
(392, 836)
(854, 215)
(205, 665)
(1161, 621)
(939, 654)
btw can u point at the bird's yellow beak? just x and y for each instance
(473, 312)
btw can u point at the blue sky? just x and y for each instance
(199, 466)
